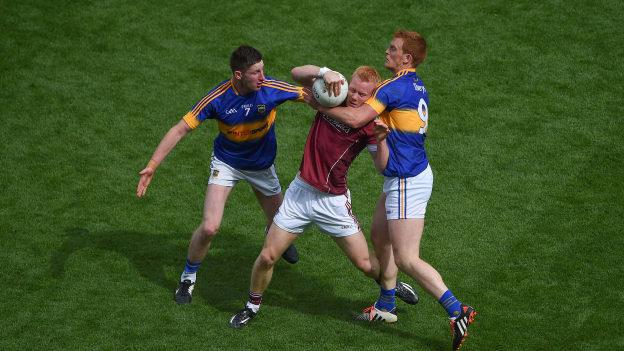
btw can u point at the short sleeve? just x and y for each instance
(281, 91)
(371, 141)
(383, 97)
(206, 108)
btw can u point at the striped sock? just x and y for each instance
(450, 303)
(386, 300)
(254, 302)
(190, 271)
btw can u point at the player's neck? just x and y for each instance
(240, 88)
(402, 68)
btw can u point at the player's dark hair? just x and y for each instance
(413, 44)
(244, 57)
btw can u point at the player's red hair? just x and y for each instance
(413, 44)
(367, 74)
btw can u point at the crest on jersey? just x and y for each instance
(261, 109)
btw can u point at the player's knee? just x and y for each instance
(402, 260)
(267, 259)
(208, 231)
(363, 265)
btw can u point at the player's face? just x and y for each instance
(394, 55)
(253, 77)
(359, 92)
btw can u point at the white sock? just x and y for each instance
(251, 306)
(188, 276)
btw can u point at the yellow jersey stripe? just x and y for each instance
(215, 91)
(248, 131)
(277, 82)
(234, 89)
(190, 120)
(405, 71)
(403, 120)
(286, 87)
(384, 83)
(399, 74)
(282, 89)
(291, 89)
(375, 104)
(208, 98)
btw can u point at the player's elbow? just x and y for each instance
(355, 122)
(359, 117)
(181, 129)
(296, 73)
(293, 72)
(380, 167)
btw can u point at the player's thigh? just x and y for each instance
(277, 241)
(354, 246)
(405, 236)
(269, 203)
(379, 226)
(214, 204)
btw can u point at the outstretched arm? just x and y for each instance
(305, 76)
(354, 117)
(168, 142)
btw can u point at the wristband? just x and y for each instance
(152, 164)
(322, 72)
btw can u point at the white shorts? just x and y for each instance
(303, 204)
(408, 197)
(264, 180)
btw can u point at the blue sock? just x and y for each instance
(191, 267)
(450, 303)
(190, 271)
(386, 300)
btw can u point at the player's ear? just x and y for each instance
(238, 75)
(408, 59)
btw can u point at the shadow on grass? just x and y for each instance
(224, 277)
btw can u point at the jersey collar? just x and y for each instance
(405, 71)
(234, 87)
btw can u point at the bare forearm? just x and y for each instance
(353, 117)
(169, 141)
(381, 156)
(305, 74)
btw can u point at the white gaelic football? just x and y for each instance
(322, 95)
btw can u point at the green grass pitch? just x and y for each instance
(525, 140)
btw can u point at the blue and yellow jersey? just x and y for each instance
(401, 103)
(246, 137)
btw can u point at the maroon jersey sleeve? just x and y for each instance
(369, 134)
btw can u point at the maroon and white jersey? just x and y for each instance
(329, 151)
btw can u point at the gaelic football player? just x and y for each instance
(244, 107)
(319, 194)
(402, 105)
